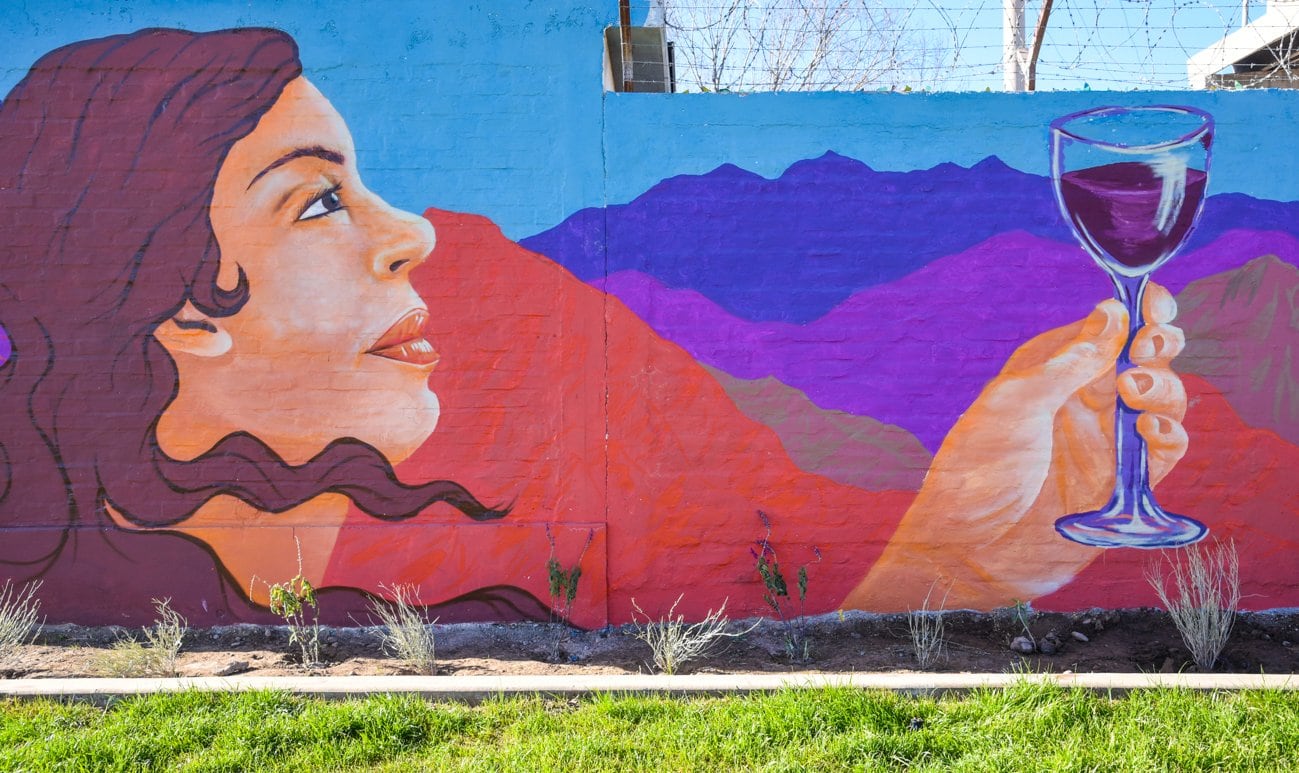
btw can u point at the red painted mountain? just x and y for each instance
(1239, 481)
(1242, 334)
(671, 484)
(916, 352)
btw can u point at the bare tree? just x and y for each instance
(796, 45)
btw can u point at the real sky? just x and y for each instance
(1089, 44)
(1096, 45)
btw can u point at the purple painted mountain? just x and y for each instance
(917, 351)
(792, 248)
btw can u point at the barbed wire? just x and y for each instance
(752, 45)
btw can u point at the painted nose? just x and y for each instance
(405, 242)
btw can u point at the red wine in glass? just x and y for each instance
(1131, 182)
(1115, 208)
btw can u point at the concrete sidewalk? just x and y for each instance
(477, 688)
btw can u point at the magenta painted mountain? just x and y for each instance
(916, 351)
(792, 248)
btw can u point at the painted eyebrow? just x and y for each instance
(315, 151)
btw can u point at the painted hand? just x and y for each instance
(1037, 444)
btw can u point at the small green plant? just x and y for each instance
(563, 589)
(928, 639)
(1024, 616)
(797, 646)
(19, 610)
(673, 643)
(156, 655)
(290, 601)
(407, 632)
(563, 580)
(1203, 598)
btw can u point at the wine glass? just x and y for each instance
(1131, 182)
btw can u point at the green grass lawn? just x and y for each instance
(1027, 727)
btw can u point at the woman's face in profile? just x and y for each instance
(330, 343)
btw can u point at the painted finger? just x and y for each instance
(1157, 344)
(1166, 443)
(1158, 305)
(1155, 390)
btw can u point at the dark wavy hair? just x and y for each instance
(109, 150)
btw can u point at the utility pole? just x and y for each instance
(1012, 39)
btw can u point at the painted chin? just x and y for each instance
(409, 432)
(405, 343)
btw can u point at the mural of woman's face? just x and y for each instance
(330, 342)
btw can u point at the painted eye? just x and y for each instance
(324, 204)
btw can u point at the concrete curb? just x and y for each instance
(476, 688)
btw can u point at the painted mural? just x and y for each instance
(224, 360)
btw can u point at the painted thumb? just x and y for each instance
(1087, 357)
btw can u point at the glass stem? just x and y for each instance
(1131, 476)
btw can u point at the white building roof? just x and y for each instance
(1281, 19)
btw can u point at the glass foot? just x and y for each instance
(1116, 526)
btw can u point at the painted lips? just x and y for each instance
(405, 341)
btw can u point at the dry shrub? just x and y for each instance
(156, 655)
(19, 609)
(406, 632)
(928, 639)
(1200, 588)
(674, 643)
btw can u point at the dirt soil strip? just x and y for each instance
(1141, 642)
(476, 688)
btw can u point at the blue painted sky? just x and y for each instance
(491, 107)
(496, 107)
(1254, 148)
